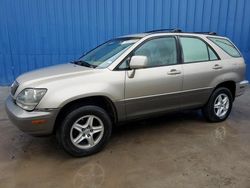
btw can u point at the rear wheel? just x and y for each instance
(85, 131)
(219, 105)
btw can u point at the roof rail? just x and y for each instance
(176, 30)
(206, 33)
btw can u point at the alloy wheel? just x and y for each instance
(87, 131)
(221, 105)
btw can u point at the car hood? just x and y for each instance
(52, 73)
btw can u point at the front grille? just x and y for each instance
(13, 88)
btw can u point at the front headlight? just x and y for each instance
(29, 98)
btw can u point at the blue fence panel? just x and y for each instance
(35, 33)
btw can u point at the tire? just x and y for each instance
(76, 127)
(215, 110)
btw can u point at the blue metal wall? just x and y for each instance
(38, 33)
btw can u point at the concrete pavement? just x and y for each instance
(177, 150)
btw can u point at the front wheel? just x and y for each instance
(219, 105)
(85, 131)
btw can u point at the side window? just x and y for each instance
(124, 65)
(226, 45)
(194, 50)
(212, 55)
(160, 51)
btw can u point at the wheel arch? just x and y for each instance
(99, 100)
(231, 85)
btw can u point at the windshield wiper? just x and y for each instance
(83, 63)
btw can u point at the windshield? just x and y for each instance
(107, 53)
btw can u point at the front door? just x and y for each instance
(156, 87)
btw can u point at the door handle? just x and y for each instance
(174, 72)
(217, 67)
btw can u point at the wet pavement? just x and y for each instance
(177, 150)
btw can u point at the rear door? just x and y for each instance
(201, 67)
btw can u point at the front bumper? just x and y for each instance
(24, 120)
(241, 87)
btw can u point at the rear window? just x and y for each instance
(226, 45)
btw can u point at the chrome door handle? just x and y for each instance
(174, 72)
(217, 67)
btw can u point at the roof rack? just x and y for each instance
(176, 30)
(206, 33)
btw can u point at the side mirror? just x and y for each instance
(138, 61)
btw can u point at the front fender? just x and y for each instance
(57, 99)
